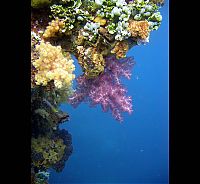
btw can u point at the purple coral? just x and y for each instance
(106, 89)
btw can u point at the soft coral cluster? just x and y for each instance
(52, 65)
(106, 90)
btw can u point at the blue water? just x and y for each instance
(136, 151)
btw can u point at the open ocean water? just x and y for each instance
(137, 150)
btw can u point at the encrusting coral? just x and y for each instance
(120, 49)
(50, 151)
(67, 140)
(91, 61)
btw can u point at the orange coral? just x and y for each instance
(139, 28)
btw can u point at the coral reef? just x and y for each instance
(50, 146)
(98, 33)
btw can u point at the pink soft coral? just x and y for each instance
(106, 89)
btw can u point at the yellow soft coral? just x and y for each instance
(54, 27)
(120, 49)
(52, 65)
(139, 28)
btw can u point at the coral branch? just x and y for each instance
(106, 90)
